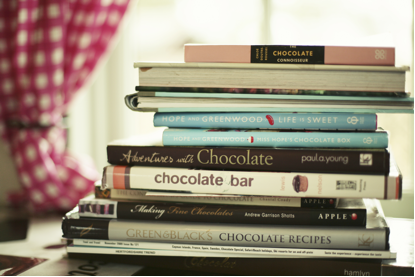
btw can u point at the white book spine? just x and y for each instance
(255, 235)
(151, 252)
(267, 252)
(285, 184)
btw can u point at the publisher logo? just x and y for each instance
(346, 185)
(368, 140)
(86, 230)
(365, 240)
(366, 159)
(380, 54)
(352, 120)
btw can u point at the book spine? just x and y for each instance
(285, 184)
(155, 252)
(297, 121)
(255, 235)
(193, 212)
(257, 138)
(224, 251)
(312, 109)
(324, 160)
(272, 91)
(248, 266)
(337, 55)
(134, 194)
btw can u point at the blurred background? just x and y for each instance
(156, 30)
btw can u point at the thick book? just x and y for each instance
(274, 138)
(160, 101)
(273, 91)
(117, 246)
(401, 236)
(248, 200)
(248, 266)
(148, 150)
(349, 212)
(227, 182)
(290, 121)
(279, 76)
(291, 54)
(374, 236)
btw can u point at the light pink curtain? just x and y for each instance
(48, 50)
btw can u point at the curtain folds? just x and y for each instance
(48, 51)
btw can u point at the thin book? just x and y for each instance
(161, 101)
(274, 138)
(290, 54)
(169, 249)
(349, 212)
(281, 121)
(148, 150)
(272, 91)
(248, 200)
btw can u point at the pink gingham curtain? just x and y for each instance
(48, 50)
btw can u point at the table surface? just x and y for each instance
(44, 240)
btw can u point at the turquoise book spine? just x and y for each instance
(273, 138)
(296, 121)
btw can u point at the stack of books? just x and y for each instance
(262, 169)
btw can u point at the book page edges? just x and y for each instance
(148, 65)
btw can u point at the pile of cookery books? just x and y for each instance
(248, 178)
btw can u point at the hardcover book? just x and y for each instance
(273, 91)
(374, 236)
(290, 121)
(160, 101)
(248, 266)
(301, 54)
(177, 249)
(401, 232)
(274, 201)
(148, 150)
(227, 182)
(274, 138)
(349, 212)
(265, 76)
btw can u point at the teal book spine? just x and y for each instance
(273, 138)
(296, 121)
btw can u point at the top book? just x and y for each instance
(289, 54)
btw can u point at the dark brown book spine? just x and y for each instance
(192, 212)
(249, 266)
(324, 160)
